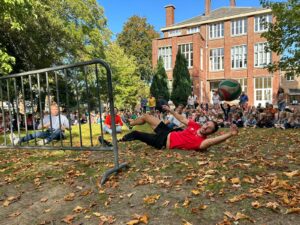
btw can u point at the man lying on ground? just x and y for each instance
(194, 137)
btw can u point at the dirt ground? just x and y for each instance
(251, 179)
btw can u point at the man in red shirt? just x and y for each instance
(107, 123)
(194, 137)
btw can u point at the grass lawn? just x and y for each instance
(251, 178)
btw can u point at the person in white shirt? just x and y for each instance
(216, 99)
(55, 125)
(192, 99)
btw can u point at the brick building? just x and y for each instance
(221, 44)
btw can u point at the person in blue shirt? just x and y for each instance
(54, 128)
(244, 100)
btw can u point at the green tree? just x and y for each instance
(136, 39)
(182, 84)
(55, 32)
(13, 13)
(284, 35)
(159, 85)
(126, 82)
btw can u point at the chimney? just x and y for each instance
(207, 7)
(232, 3)
(170, 15)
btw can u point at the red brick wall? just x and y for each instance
(199, 41)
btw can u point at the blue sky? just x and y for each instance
(118, 11)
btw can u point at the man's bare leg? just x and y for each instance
(151, 120)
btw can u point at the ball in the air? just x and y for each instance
(229, 90)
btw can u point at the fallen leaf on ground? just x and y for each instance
(15, 214)
(291, 174)
(237, 198)
(78, 209)
(139, 219)
(44, 200)
(69, 197)
(166, 203)
(68, 219)
(186, 222)
(151, 199)
(97, 214)
(235, 180)
(293, 210)
(202, 207)
(186, 203)
(195, 192)
(255, 204)
(272, 205)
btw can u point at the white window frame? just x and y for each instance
(216, 59)
(239, 27)
(173, 33)
(216, 30)
(259, 25)
(261, 57)
(290, 77)
(166, 53)
(263, 89)
(193, 30)
(187, 50)
(244, 84)
(239, 57)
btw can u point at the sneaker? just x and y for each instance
(104, 142)
(14, 139)
(42, 142)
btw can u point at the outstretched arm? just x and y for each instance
(181, 118)
(217, 140)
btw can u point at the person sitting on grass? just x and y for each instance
(107, 123)
(194, 137)
(53, 129)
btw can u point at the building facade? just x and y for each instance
(225, 43)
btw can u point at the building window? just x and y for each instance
(173, 33)
(260, 23)
(239, 57)
(261, 56)
(216, 30)
(193, 30)
(187, 51)
(239, 27)
(243, 83)
(166, 54)
(290, 77)
(216, 59)
(201, 58)
(263, 90)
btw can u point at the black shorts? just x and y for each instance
(157, 140)
(161, 135)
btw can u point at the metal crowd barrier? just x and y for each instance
(81, 87)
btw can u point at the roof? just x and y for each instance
(218, 15)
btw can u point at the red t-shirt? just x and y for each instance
(117, 120)
(187, 139)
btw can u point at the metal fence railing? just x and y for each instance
(62, 105)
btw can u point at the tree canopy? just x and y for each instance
(126, 82)
(37, 34)
(136, 39)
(284, 35)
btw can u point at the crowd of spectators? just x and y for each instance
(221, 112)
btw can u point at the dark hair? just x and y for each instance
(215, 125)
